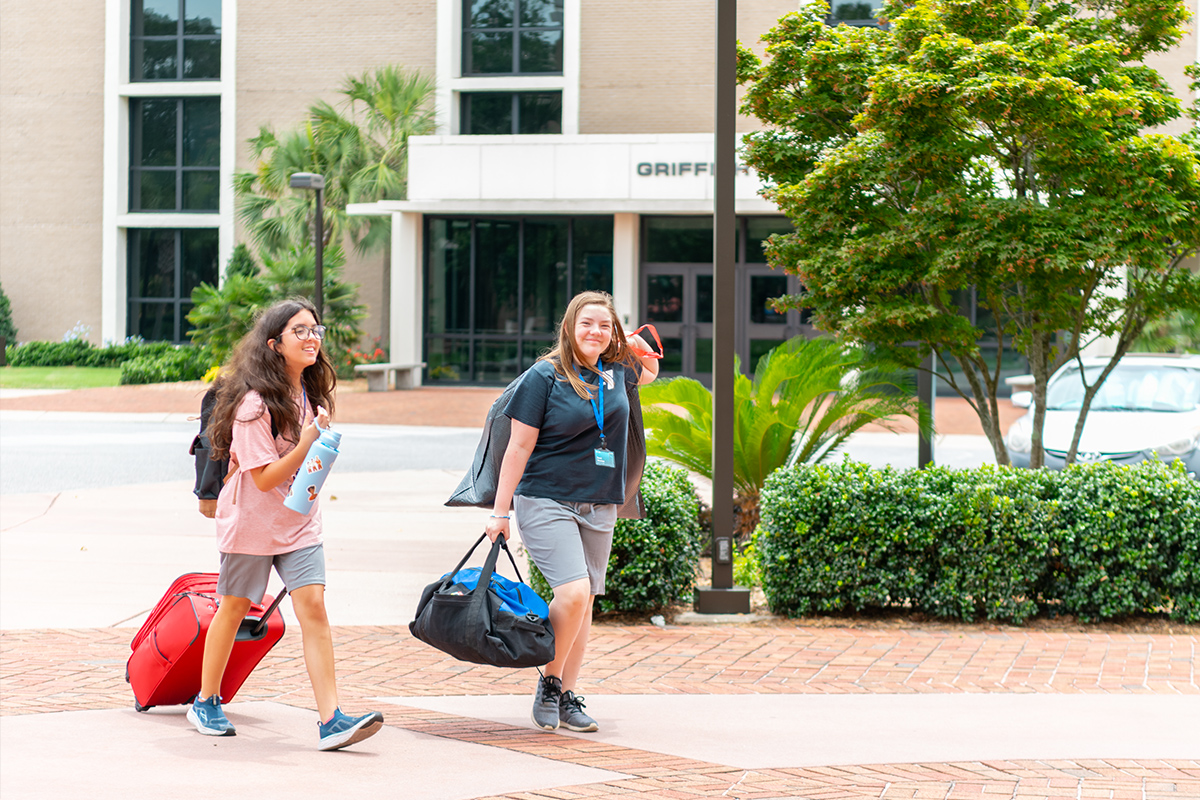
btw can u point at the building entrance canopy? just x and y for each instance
(641, 174)
(476, 286)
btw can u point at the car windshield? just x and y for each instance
(1130, 387)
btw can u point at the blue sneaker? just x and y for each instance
(341, 730)
(209, 719)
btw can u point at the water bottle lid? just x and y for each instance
(330, 437)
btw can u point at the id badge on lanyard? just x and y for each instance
(604, 457)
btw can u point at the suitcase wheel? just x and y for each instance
(139, 707)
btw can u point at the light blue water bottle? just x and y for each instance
(313, 472)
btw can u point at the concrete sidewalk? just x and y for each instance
(769, 709)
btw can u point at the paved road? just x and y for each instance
(42, 452)
(54, 452)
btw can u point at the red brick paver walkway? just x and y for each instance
(62, 670)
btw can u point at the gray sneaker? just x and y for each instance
(570, 714)
(545, 702)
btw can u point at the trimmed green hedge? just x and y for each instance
(188, 363)
(1096, 541)
(653, 560)
(81, 353)
(140, 362)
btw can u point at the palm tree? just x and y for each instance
(363, 154)
(279, 217)
(386, 108)
(806, 398)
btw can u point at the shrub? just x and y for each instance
(840, 537)
(82, 353)
(1129, 541)
(188, 363)
(50, 354)
(221, 316)
(7, 329)
(347, 358)
(747, 568)
(653, 560)
(241, 263)
(991, 548)
(1097, 541)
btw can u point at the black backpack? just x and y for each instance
(210, 474)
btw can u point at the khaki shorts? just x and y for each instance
(566, 540)
(246, 576)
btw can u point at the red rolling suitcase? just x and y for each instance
(168, 651)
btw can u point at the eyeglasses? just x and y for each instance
(303, 332)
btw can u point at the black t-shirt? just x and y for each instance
(563, 464)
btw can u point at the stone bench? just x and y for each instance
(379, 376)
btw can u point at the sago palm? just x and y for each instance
(807, 397)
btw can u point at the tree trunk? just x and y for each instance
(986, 409)
(745, 516)
(1039, 364)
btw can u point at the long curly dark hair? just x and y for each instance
(255, 365)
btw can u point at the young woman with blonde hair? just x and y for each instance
(563, 475)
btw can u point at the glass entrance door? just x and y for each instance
(677, 294)
(679, 303)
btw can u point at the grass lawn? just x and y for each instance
(58, 377)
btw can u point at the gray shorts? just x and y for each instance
(246, 576)
(566, 540)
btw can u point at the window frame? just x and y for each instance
(465, 101)
(180, 37)
(177, 301)
(472, 339)
(515, 30)
(179, 169)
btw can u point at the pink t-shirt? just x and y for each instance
(251, 521)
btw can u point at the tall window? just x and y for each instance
(496, 287)
(175, 40)
(512, 37)
(175, 154)
(511, 112)
(164, 266)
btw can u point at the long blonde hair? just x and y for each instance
(565, 356)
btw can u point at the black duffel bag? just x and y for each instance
(478, 616)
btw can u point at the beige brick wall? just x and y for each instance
(647, 68)
(51, 163)
(1171, 65)
(292, 53)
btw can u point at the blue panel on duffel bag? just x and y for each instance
(515, 597)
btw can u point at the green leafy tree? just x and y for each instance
(997, 144)
(805, 400)
(241, 262)
(7, 329)
(222, 316)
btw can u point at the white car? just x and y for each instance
(1149, 405)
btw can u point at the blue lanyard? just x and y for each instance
(598, 401)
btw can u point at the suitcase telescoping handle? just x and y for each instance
(262, 623)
